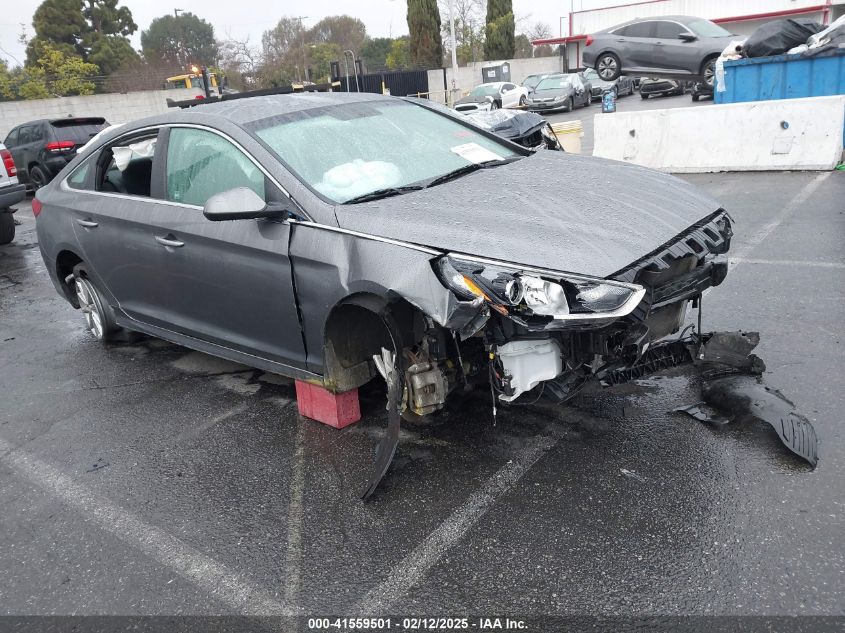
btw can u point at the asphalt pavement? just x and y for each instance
(146, 478)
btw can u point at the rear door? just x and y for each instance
(19, 143)
(638, 39)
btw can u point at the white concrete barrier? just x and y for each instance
(787, 134)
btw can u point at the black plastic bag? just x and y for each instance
(775, 38)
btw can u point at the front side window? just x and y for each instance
(201, 164)
(12, 139)
(485, 90)
(668, 30)
(349, 150)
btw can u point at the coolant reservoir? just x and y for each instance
(528, 363)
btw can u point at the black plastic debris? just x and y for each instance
(745, 396)
(700, 413)
(778, 36)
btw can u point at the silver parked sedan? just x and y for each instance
(670, 46)
(336, 237)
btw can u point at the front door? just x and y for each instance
(228, 283)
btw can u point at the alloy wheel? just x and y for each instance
(90, 308)
(710, 72)
(607, 67)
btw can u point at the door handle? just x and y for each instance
(621, 40)
(164, 241)
(88, 224)
(659, 44)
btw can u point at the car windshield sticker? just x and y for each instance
(474, 153)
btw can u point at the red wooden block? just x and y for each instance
(335, 409)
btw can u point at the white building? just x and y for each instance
(738, 17)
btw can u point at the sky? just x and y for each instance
(383, 18)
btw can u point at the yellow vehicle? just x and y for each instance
(191, 80)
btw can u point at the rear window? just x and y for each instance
(80, 131)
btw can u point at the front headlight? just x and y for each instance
(528, 292)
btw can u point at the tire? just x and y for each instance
(570, 105)
(695, 97)
(38, 177)
(495, 105)
(7, 227)
(99, 317)
(522, 101)
(608, 66)
(708, 70)
(643, 95)
(589, 100)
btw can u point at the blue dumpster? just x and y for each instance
(783, 77)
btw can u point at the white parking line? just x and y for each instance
(293, 553)
(414, 567)
(788, 262)
(757, 238)
(225, 585)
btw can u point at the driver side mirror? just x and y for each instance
(687, 37)
(241, 203)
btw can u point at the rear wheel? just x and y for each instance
(7, 227)
(99, 317)
(608, 66)
(38, 177)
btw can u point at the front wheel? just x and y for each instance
(522, 101)
(570, 105)
(644, 96)
(608, 67)
(7, 227)
(695, 97)
(494, 105)
(708, 71)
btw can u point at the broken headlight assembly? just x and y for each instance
(530, 292)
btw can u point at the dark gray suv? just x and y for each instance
(667, 46)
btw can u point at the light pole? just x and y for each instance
(302, 44)
(454, 48)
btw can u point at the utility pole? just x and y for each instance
(302, 44)
(454, 48)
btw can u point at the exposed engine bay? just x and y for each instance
(543, 334)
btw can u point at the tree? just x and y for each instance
(425, 46)
(7, 90)
(499, 41)
(399, 56)
(544, 50)
(469, 28)
(374, 53)
(346, 32)
(97, 31)
(320, 58)
(522, 47)
(56, 74)
(240, 61)
(181, 40)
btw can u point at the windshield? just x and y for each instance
(554, 83)
(706, 28)
(348, 150)
(485, 91)
(532, 81)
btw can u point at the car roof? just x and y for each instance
(683, 19)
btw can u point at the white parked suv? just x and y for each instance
(11, 192)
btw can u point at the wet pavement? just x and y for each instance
(149, 479)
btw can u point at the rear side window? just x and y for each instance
(640, 29)
(126, 167)
(668, 30)
(79, 178)
(201, 164)
(25, 135)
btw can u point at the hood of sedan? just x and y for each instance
(551, 210)
(548, 95)
(471, 99)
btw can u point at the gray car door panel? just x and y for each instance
(225, 282)
(674, 53)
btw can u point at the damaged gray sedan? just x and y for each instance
(333, 238)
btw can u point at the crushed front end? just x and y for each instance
(559, 330)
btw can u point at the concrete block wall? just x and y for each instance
(786, 134)
(116, 108)
(470, 76)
